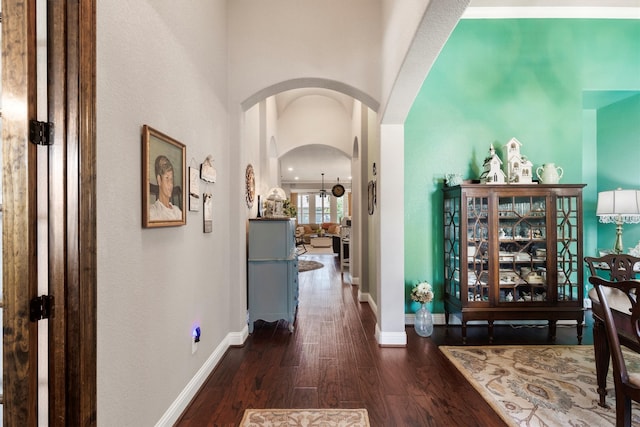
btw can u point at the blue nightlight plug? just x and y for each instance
(196, 334)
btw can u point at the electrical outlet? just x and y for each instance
(195, 339)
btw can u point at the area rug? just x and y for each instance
(540, 385)
(318, 251)
(305, 417)
(305, 265)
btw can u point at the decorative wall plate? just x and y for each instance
(250, 180)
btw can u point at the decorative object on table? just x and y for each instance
(194, 190)
(207, 216)
(549, 173)
(453, 179)
(619, 207)
(492, 169)
(371, 196)
(259, 212)
(163, 180)
(207, 171)
(519, 168)
(250, 183)
(289, 209)
(338, 189)
(274, 206)
(423, 321)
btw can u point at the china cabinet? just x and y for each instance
(272, 271)
(513, 252)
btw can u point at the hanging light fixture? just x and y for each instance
(323, 192)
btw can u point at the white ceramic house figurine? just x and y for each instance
(519, 168)
(492, 169)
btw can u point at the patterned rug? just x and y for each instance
(305, 417)
(540, 385)
(304, 265)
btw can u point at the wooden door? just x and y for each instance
(71, 235)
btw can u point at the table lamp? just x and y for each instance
(619, 207)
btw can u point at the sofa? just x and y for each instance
(330, 229)
(304, 232)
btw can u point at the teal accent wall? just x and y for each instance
(525, 78)
(619, 160)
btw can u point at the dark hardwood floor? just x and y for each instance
(332, 360)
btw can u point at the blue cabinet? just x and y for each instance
(272, 271)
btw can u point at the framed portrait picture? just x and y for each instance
(163, 180)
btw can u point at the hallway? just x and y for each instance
(332, 360)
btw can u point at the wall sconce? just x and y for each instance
(619, 207)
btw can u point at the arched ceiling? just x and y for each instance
(304, 166)
(314, 128)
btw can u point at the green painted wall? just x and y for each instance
(498, 79)
(619, 160)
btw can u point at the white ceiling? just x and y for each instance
(304, 165)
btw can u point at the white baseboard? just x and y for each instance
(391, 339)
(363, 296)
(178, 406)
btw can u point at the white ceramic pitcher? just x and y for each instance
(549, 173)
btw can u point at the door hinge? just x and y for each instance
(41, 308)
(41, 133)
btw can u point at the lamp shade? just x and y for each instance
(619, 205)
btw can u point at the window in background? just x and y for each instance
(323, 209)
(303, 209)
(340, 201)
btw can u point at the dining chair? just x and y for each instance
(627, 384)
(612, 267)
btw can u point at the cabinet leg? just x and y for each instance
(446, 323)
(490, 331)
(464, 332)
(580, 325)
(552, 330)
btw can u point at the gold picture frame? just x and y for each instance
(163, 180)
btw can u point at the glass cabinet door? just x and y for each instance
(568, 255)
(522, 256)
(452, 246)
(477, 249)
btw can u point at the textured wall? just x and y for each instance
(154, 285)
